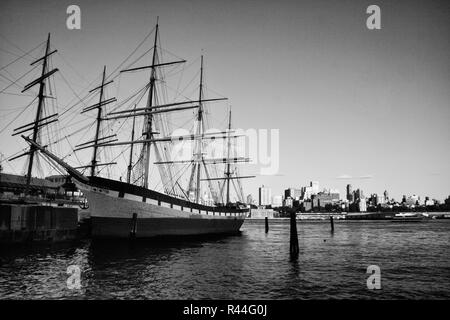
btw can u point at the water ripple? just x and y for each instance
(414, 261)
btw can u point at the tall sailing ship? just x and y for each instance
(122, 208)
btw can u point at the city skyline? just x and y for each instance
(369, 108)
(353, 191)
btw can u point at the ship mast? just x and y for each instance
(228, 173)
(98, 141)
(97, 129)
(130, 164)
(147, 112)
(148, 131)
(197, 156)
(199, 131)
(39, 121)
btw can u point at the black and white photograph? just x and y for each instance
(203, 151)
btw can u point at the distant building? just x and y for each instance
(386, 196)
(249, 199)
(380, 199)
(336, 191)
(315, 187)
(59, 179)
(362, 205)
(288, 202)
(261, 213)
(265, 196)
(349, 193)
(277, 201)
(306, 193)
(307, 206)
(207, 199)
(321, 199)
(17, 185)
(293, 193)
(358, 194)
(411, 200)
(447, 201)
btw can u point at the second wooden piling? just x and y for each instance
(267, 224)
(293, 247)
(133, 226)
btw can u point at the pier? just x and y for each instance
(33, 222)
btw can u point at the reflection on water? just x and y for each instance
(414, 260)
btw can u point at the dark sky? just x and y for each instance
(370, 108)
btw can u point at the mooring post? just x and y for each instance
(133, 226)
(293, 248)
(332, 223)
(267, 224)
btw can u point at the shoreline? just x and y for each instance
(343, 216)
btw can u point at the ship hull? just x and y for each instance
(161, 227)
(132, 216)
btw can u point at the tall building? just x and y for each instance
(315, 187)
(386, 196)
(412, 200)
(295, 194)
(265, 196)
(349, 193)
(306, 193)
(358, 194)
(380, 199)
(362, 205)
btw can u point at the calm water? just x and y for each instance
(414, 259)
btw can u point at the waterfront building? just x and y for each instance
(277, 201)
(386, 196)
(288, 202)
(293, 193)
(349, 193)
(358, 194)
(380, 199)
(411, 200)
(315, 187)
(447, 201)
(362, 205)
(321, 199)
(261, 213)
(12, 185)
(265, 196)
(306, 206)
(306, 193)
(336, 191)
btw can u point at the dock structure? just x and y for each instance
(33, 222)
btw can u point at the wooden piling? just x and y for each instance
(293, 248)
(267, 224)
(332, 223)
(133, 226)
